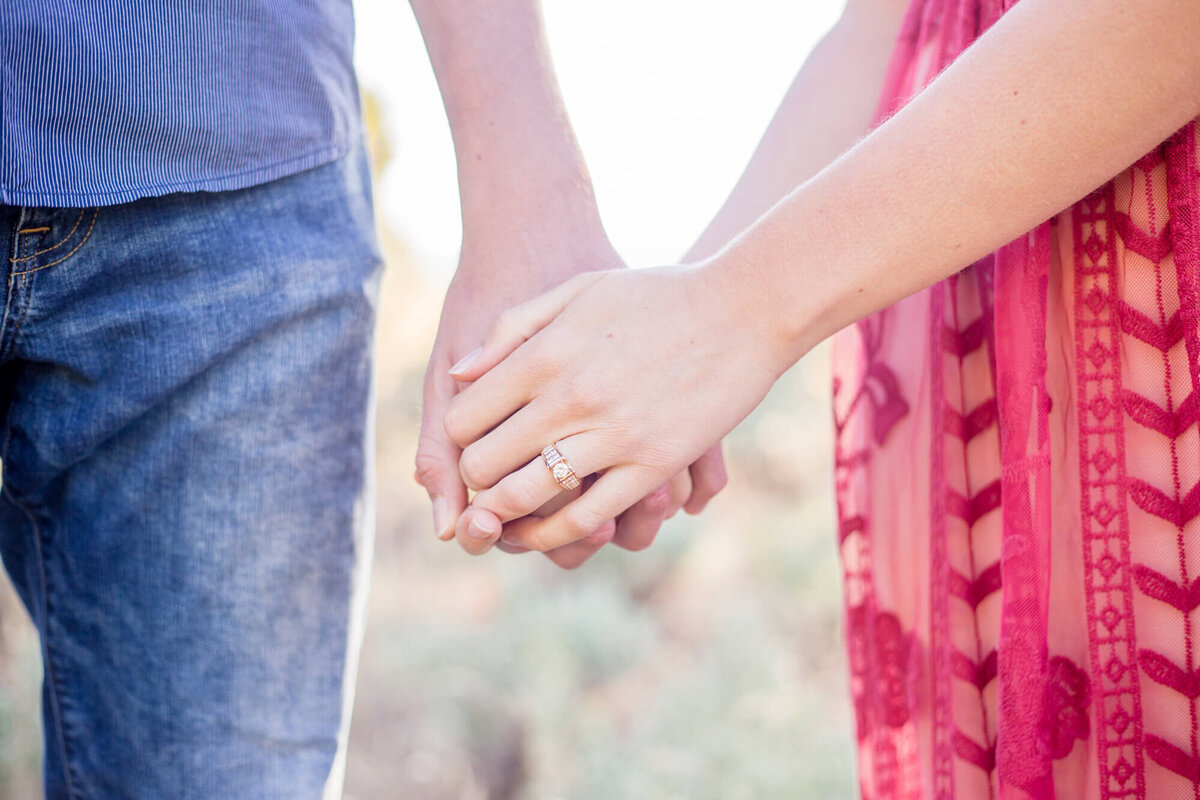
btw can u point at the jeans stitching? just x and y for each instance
(61, 242)
(55, 690)
(51, 675)
(12, 339)
(13, 300)
(6, 342)
(86, 236)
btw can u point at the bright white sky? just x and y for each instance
(668, 99)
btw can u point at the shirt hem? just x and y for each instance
(221, 183)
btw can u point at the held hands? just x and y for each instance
(529, 222)
(633, 374)
(488, 281)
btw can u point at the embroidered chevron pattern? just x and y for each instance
(1153, 248)
(1141, 327)
(1160, 587)
(1170, 757)
(1153, 501)
(1156, 418)
(1176, 502)
(967, 427)
(972, 752)
(1164, 671)
(985, 500)
(981, 668)
(973, 592)
(980, 674)
(962, 343)
(1137, 496)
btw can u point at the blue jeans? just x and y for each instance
(187, 505)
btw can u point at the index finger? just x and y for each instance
(490, 400)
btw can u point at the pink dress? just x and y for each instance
(1018, 478)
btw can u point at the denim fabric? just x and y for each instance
(187, 488)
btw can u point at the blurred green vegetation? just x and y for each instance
(709, 666)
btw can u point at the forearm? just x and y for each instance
(518, 159)
(1055, 99)
(829, 106)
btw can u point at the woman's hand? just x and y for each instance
(635, 374)
(490, 280)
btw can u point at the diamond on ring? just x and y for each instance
(560, 468)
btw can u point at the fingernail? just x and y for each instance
(441, 510)
(480, 530)
(466, 361)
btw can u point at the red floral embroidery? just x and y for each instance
(1068, 694)
(978, 677)
(856, 650)
(880, 384)
(893, 648)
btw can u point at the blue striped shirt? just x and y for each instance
(106, 101)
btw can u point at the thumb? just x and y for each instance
(519, 324)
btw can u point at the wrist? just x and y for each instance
(524, 167)
(782, 330)
(534, 246)
(535, 199)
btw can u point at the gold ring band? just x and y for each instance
(560, 468)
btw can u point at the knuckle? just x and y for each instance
(502, 328)
(635, 537)
(640, 542)
(712, 478)
(575, 398)
(473, 468)
(657, 502)
(429, 467)
(583, 521)
(454, 424)
(519, 497)
(508, 328)
(712, 487)
(535, 540)
(540, 363)
(601, 537)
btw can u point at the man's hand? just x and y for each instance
(529, 223)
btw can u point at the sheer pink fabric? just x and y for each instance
(1018, 477)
